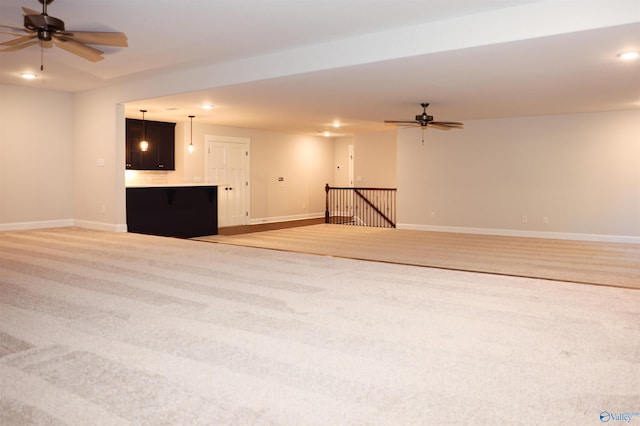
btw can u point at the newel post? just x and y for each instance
(326, 203)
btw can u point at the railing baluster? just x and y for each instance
(361, 206)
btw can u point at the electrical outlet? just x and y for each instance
(545, 219)
(525, 219)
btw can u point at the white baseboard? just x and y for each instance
(100, 226)
(285, 218)
(20, 226)
(521, 233)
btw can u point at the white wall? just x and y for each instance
(35, 158)
(98, 161)
(375, 155)
(305, 163)
(581, 171)
(341, 161)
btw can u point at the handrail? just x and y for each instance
(377, 210)
(361, 206)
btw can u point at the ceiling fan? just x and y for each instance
(423, 120)
(47, 30)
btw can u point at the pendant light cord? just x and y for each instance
(191, 131)
(144, 128)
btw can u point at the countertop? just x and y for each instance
(169, 185)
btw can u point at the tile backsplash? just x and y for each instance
(146, 177)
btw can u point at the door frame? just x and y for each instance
(211, 139)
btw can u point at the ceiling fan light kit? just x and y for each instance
(41, 28)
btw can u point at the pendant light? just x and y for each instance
(191, 147)
(144, 145)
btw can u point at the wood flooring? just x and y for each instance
(247, 229)
(587, 262)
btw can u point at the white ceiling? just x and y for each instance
(565, 72)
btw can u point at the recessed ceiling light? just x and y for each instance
(336, 124)
(28, 75)
(326, 134)
(627, 56)
(206, 106)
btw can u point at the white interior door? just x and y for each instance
(227, 165)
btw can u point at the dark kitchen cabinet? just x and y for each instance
(161, 152)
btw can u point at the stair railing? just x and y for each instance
(361, 206)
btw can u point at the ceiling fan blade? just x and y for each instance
(97, 37)
(18, 40)
(448, 123)
(401, 122)
(13, 30)
(20, 46)
(28, 11)
(441, 126)
(72, 46)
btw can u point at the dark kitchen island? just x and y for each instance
(182, 211)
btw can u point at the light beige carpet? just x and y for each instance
(102, 328)
(615, 264)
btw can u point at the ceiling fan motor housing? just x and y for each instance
(45, 25)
